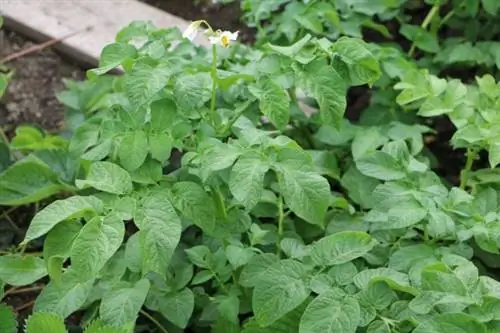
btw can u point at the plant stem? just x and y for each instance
(281, 220)
(464, 175)
(154, 321)
(14, 226)
(15, 291)
(428, 19)
(214, 85)
(447, 17)
(219, 202)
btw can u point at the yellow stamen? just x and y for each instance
(225, 41)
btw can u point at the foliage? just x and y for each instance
(224, 190)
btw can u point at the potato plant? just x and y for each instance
(198, 192)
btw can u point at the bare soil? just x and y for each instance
(31, 95)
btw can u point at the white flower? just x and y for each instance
(223, 38)
(192, 30)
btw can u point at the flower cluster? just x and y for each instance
(218, 37)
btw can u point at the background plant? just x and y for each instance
(194, 192)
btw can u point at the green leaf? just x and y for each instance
(65, 296)
(451, 323)
(176, 306)
(396, 280)
(378, 295)
(71, 208)
(113, 55)
(163, 115)
(329, 314)
(150, 172)
(160, 232)
(404, 258)
(120, 307)
(378, 326)
(8, 322)
(422, 38)
(133, 150)
(194, 203)
(494, 153)
(191, 92)
(341, 248)
(328, 88)
(96, 243)
(217, 156)
(307, 194)
(441, 225)
(281, 289)
(238, 256)
(4, 78)
(367, 140)
(292, 50)
(146, 80)
(17, 270)
(28, 180)
(491, 6)
(363, 67)
(98, 327)
(160, 146)
(107, 177)
(380, 165)
(359, 187)
(246, 180)
(256, 269)
(274, 102)
(45, 323)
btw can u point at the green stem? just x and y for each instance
(447, 17)
(428, 19)
(154, 321)
(214, 85)
(219, 202)
(464, 175)
(281, 220)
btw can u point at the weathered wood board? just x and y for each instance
(47, 19)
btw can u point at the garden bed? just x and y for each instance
(31, 98)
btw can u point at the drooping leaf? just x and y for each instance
(71, 208)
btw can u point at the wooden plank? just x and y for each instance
(47, 19)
